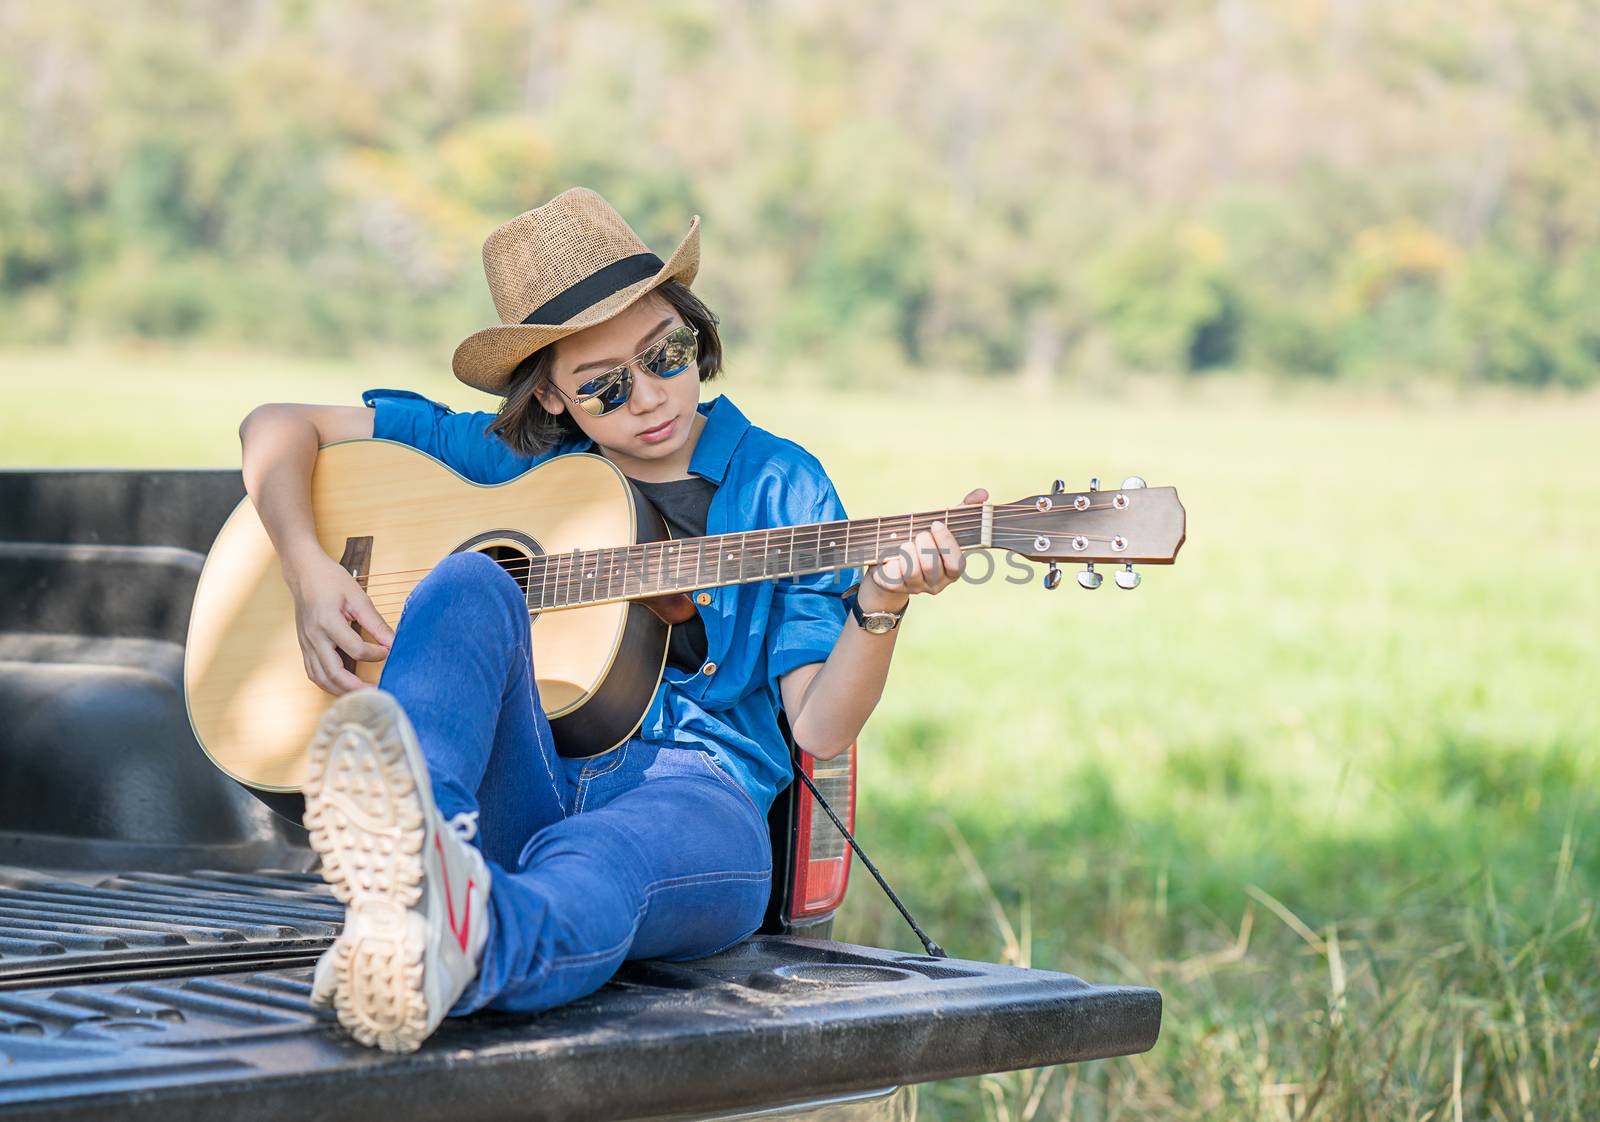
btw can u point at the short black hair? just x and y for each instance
(530, 429)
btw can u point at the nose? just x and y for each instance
(648, 392)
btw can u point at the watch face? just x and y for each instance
(879, 623)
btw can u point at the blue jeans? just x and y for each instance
(648, 851)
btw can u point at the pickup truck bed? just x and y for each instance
(133, 986)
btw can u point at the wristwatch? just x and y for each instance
(877, 623)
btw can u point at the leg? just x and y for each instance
(669, 859)
(462, 667)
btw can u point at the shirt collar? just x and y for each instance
(725, 426)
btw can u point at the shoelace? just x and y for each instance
(465, 825)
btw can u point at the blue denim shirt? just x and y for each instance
(755, 633)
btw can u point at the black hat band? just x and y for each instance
(603, 282)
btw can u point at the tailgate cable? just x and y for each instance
(934, 949)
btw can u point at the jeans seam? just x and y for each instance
(727, 780)
(586, 780)
(538, 739)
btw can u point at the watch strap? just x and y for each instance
(849, 596)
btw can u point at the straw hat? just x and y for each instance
(561, 267)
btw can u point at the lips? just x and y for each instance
(658, 432)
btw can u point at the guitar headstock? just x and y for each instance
(1123, 526)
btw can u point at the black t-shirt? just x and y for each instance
(683, 504)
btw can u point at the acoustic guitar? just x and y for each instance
(603, 580)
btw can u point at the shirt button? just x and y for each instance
(709, 669)
(702, 598)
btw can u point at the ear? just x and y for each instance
(553, 402)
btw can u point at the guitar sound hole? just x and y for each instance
(512, 560)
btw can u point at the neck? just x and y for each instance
(666, 469)
(569, 580)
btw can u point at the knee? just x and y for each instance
(473, 578)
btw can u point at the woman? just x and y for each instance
(478, 866)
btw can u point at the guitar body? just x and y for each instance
(391, 513)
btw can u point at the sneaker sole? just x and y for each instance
(365, 817)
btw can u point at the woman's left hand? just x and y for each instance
(930, 563)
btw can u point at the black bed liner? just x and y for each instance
(751, 1025)
(54, 930)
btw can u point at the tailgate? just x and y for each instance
(186, 997)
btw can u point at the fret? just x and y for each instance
(652, 567)
(672, 569)
(786, 551)
(829, 544)
(650, 557)
(749, 560)
(660, 580)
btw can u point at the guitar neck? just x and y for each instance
(677, 565)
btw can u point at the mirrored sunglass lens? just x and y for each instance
(676, 355)
(601, 395)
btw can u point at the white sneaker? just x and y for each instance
(415, 892)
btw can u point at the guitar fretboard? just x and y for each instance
(568, 580)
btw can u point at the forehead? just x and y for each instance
(616, 340)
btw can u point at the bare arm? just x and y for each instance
(829, 702)
(279, 448)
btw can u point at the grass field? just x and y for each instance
(1329, 783)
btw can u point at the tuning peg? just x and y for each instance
(1094, 483)
(1133, 483)
(1128, 578)
(1089, 578)
(1058, 487)
(1052, 577)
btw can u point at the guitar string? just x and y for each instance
(1004, 518)
(965, 516)
(396, 602)
(565, 586)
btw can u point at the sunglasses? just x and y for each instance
(667, 357)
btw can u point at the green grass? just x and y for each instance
(1329, 783)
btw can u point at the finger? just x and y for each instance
(367, 615)
(352, 644)
(927, 562)
(976, 495)
(949, 551)
(339, 680)
(890, 574)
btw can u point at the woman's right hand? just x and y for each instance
(326, 601)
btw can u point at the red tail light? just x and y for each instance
(821, 855)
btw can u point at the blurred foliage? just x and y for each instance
(1322, 188)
